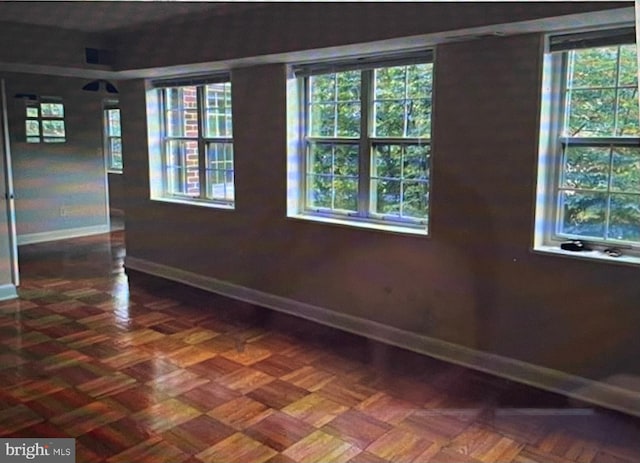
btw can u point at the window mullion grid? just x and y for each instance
(106, 137)
(405, 128)
(405, 122)
(202, 149)
(165, 140)
(333, 147)
(568, 60)
(364, 149)
(560, 87)
(304, 142)
(616, 100)
(607, 212)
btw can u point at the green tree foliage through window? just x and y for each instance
(599, 189)
(382, 115)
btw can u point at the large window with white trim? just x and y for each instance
(592, 152)
(365, 142)
(196, 140)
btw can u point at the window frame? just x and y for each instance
(548, 235)
(160, 138)
(111, 105)
(40, 119)
(365, 216)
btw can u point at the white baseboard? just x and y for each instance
(615, 395)
(67, 233)
(8, 292)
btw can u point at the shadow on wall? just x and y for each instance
(441, 286)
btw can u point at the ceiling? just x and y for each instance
(103, 16)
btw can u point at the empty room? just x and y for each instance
(319, 232)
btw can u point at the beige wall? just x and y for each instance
(45, 46)
(474, 281)
(294, 26)
(51, 176)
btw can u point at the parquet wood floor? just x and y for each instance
(142, 370)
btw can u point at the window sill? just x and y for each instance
(588, 255)
(113, 171)
(415, 230)
(194, 202)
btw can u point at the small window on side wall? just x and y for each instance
(45, 121)
(112, 136)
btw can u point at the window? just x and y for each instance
(593, 152)
(45, 121)
(365, 142)
(196, 141)
(112, 136)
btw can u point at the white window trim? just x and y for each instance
(156, 142)
(546, 238)
(297, 207)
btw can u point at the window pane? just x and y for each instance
(220, 181)
(346, 193)
(348, 119)
(628, 124)
(389, 119)
(322, 120)
(346, 160)
(32, 128)
(387, 161)
(419, 80)
(53, 128)
(390, 83)
(387, 196)
(32, 112)
(319, 191)
(349, 84)
(419, 119)
(414, 200)
(181, 98)
(591, 113)
(416, 162)
(593, 67)
(182, 123)
(218, 109)
(583, 214)
(320, 158)
(52, 110)
(218, 125)
(115, 149)
(586, 168)
(182, 168)
(113, 118)
(628, 65)
(624, 220)
(625, 175)
(323, 88)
